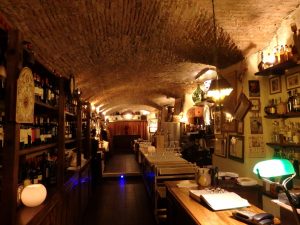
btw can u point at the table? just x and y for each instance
(182, 209)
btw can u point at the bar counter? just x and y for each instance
(182, 209)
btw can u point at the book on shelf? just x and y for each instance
(219, 201)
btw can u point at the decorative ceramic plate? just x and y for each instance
(25, 97)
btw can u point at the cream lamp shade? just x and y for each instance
(33, 195)
(219, 89)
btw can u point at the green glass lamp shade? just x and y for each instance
(274, 168)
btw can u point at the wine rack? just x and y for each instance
(36, 152)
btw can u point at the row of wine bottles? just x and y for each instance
(43, 131)
(70, 129)
(71, 105)
(39, 169)
(45, 90)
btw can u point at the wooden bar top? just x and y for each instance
(201, 214)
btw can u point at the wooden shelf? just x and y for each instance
(283, 145)
(287, 115)
(278, 69)
(46, 106)
(39, 148)
(70, 115)
(67, 141)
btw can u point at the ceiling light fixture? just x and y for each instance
(219, 88)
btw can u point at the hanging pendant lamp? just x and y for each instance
(220, 87)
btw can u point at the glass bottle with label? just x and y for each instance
(290, 102)
(296, 101)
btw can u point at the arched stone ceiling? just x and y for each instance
(142, 52)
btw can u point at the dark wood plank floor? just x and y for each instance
(117, 201)
(124, 163)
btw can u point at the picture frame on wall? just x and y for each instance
(220, 147)
(255, 104)
(292, 81)
(236, 148)
(275, 85)
(256, 126)
(242, 107)
(254, 88)
(229, 126)
(240, 127)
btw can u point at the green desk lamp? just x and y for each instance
(275, 168)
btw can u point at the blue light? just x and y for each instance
(122, 176)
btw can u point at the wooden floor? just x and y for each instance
(119, 201)
(121, 164)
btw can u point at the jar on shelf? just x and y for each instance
(281, 107)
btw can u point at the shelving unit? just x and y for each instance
(278, 69)
(284, 145)
(283, 116)
(64, 190)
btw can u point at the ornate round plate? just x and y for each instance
(25, 97)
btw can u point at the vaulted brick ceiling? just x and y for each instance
(134, 54)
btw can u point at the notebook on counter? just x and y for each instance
(219, 201)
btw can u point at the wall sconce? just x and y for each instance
(33, 195)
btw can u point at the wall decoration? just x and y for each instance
(292, 81)
(25, 97)
(256, 146)
(236, 147)
(217, 122)
(240, 127)
(275, 85)
(254, 88)
(242, 107)
(220, 147)
(228, 126)
(256, 126)
(255, 104)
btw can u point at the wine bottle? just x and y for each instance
(23, 136)
(290, 102)
(1, 130)
(2, 87)
(296, 102)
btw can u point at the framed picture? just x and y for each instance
(240, 127)
(256, 126)
(228, 126)
(217, 122)
(236, 147)
(254, 88)
(255, 104)
(275, 85)
(256, 146)
(243, 106)
(220, 147)
(292, 81)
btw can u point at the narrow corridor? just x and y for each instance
(120, 201)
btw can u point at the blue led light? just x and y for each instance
(122, 176)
